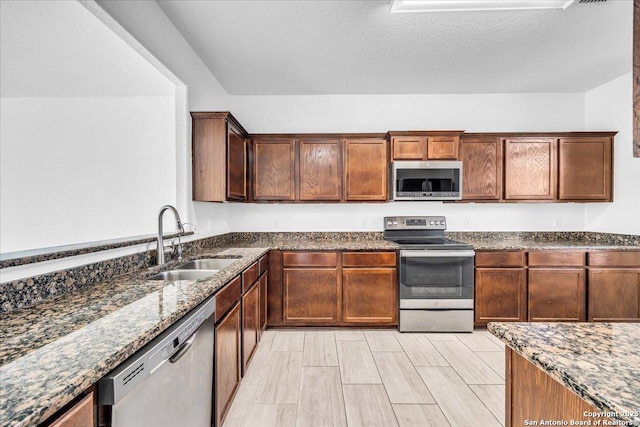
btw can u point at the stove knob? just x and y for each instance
(395, 222)
(441, 222)
(389, 223)
(431, 223)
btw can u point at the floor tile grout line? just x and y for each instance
(458, 373)
(484, 404)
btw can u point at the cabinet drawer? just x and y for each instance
(369, 259)
(500, 259)
(556, 258)
(263, 265)
(614, 258)
(249, 276)
(309, 259)
(227, 297)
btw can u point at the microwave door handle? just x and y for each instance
(437, 254)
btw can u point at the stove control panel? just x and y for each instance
(415, 223)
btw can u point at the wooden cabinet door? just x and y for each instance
(530, 169)
(82, 414)
(369, 295)
(500, 295)
(209, 160)
(366, 170)
(443, 148)
(227, 362)
(557, 294)
(250, 324)
(614, 295)
(310, 295)
(584, 169)
(236, 165)
(320, 173)
(481, 168)
(263, 302)
(409, 147)
(274, 170)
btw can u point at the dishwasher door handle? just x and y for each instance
(183, 349)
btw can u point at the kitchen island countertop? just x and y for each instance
(599, 362)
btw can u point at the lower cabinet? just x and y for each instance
(369, 295)
(250, 324)
(557, 286)
(227, 362)
(338, 289)
(557, 295)
(82, 414)
(500, 292)
(500, 295)
(310, 295)
(614, 295)
(263, 302)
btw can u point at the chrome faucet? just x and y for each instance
(161, 248)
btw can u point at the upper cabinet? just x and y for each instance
(481, 167)
(320, 170)
(530, 168)
(585, 168)
(431, 145)
(311, 168)
(522, 167)
(274, 169)
(230, 165)
(219, 158)
(366, 167)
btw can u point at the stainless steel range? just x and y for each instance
(436, 275)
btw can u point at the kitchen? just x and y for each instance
(148, 142)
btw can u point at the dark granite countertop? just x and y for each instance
(531, 241)
(54, 350)
(597, 361)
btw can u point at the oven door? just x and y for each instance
(436, 279)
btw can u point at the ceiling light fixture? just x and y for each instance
(406, 6)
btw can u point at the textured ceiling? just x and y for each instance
(59, 49)
(357, 47)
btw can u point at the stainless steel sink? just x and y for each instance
(184, 274)
(208, 264)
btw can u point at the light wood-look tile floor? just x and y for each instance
(369, 378)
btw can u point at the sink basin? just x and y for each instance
(184, 275)
(208, 264)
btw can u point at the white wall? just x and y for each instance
(83, 169)
(610, 107)
(381, 113)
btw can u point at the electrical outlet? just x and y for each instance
(276, 224)
(364, 223)
(557, 221)
(467, 222)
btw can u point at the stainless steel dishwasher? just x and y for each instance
(169, 382)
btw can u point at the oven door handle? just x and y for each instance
(437, 254)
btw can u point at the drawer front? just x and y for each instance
(227, 297)
(249, 276)
(557, 259)
(263, 265)
(309, 259)
(614, 258)
(500, 259)
(369, 259)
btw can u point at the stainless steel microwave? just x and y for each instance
(431, 180)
